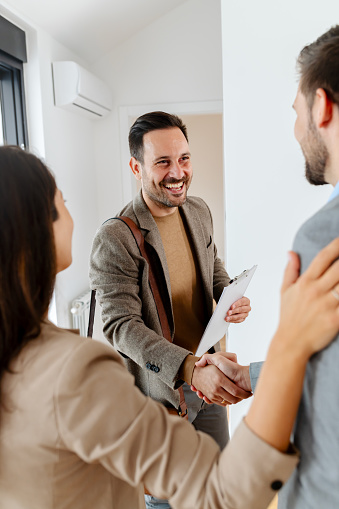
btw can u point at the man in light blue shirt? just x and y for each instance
(335, 192)
(315, 482)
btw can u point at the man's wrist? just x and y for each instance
(186, 369)
(245, 379)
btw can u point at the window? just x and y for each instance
(13, 127)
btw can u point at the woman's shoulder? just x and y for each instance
(66, 343)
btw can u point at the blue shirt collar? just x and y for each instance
(335, 192)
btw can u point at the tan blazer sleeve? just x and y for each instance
(103, 418)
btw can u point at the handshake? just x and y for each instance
(218, 378)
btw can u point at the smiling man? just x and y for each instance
(165, 170)
(178, 231)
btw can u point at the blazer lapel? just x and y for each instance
(200, 240)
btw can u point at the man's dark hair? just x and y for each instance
(318, 66)
(151, 122)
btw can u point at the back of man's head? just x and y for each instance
(318, 65)
(151, 122)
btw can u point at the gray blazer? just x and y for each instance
(120, 276)
(315, 483)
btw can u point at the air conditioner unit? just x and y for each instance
(79, 90)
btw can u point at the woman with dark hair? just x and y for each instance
(67, 440)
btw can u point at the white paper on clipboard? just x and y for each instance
(217, 327)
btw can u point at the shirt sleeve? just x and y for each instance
(255, 369)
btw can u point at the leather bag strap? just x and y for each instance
(91, 315)
(166, 331)
(139, 238)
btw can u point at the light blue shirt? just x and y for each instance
(335, 192)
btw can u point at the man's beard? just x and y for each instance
(316, 156)
(159, 196)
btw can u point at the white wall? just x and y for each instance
(67, 141)
(70, 152)
(267, 197)
(176, 59)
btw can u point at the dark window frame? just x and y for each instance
(12, 91)
(12, 97)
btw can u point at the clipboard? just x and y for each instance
(217, 326)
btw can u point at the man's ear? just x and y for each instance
(135, 167)
(322, 108)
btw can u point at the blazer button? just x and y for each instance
(156, 369)
(149, 365)
(276, 485)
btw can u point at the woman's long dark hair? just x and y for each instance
(27, 251)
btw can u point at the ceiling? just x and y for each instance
(92, 28)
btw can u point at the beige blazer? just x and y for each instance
(120, 276)
(78, 434)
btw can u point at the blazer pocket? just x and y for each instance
(209, 243)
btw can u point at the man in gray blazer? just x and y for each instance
(179, 235)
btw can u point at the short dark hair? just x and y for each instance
(318, 66)
(27, 251)
(151, 122)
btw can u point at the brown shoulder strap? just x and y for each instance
(91, 315)
(139, 238)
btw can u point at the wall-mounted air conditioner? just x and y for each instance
(79, 90)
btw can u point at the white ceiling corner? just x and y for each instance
(92, 28)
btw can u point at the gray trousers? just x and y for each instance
(211, 419)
